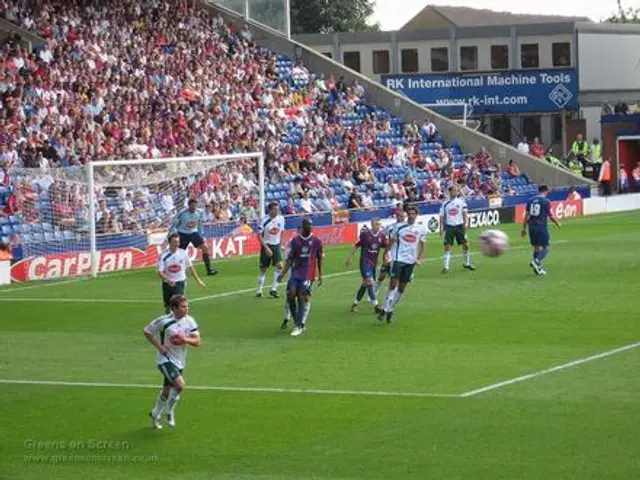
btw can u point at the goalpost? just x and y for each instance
(114, 214)
(458, 111)
(179, 170)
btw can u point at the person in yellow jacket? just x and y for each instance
(580, 148)
(575, 166)
(595, 157)
(605, 177)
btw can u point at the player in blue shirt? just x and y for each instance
(536, 219)
(189, 225)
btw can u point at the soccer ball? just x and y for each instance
(493, 243)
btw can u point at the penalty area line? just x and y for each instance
(547, 371)
(308, 391)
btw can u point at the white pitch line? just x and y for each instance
(311, 391)
(564, 366)
(75, 300)
(41, 285)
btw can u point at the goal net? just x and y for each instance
(115, 215)
(459, 112)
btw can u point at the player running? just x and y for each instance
(536, 216)
(188, 223)
(170, 334)
(270, 235)
(173, 264)
(407, 242)
(453, 220)
(370, 242)
(304, 257)
(385, 269)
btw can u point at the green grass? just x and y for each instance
(452, 335)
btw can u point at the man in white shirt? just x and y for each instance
(306, 205)
(453, 221)
(406, 243)
(173, 264)
(523, 146)
(170, 334)
(270, 231)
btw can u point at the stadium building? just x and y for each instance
(518, 74)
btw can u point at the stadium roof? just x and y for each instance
(433, 16)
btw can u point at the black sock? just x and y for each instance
(361, 292)
(293, 308)
(207, 261)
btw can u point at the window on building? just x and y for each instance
(380, 61)
(529, 55)
(328, 54)
(561, 54)
(351, 60)
(409, 60)
(501, 129)
(531, 127)
(499, 57)
(469, 58)
(439, 59)
(556, 129)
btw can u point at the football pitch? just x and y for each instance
(492, 374)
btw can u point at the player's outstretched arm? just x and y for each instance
(285, 269)
(352, 252)
(420, 252)
(525, 222)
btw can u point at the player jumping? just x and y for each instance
(305, 255)
(189, 225)
(453, 220)
(370, 242)
(170, 334)
(270, 236)
(385, 269)
(536, 216)
(409, 240)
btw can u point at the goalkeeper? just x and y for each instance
(189, 225)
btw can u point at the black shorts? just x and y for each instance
(455, 233)
(385, 269)
(168, 291)
(170, 373)
(402, 271)
(194, 239)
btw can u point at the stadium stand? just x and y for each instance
(141, 79)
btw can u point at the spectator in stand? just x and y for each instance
(537, 149)
(523, 146)
(366, 199)
(513, 169)
(623, 180)
(306, 205)
(322, 202)
(290, 209)
(354, 200)
(410, 186)
(635, 173)
(429, 131)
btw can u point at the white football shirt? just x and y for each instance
(165, 327)
(452, 211)
(271, 229)
(174, 264)
(407, 238)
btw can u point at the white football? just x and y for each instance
(493, 243)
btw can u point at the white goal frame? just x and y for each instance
(90, 171)
(466, 109)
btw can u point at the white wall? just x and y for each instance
(609, 61)
(591, 116)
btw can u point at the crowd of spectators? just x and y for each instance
(132, 79)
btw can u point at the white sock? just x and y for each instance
(377, 286)
(261, 277)
(447, 260)
(274, 284)
(396, 298)
(287, 312)
(307, 309)
(174, 396)
(388, 300)
(467, 257)
(158, 408)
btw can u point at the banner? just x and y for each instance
(69, 264)
(510, 92)
(560, 209)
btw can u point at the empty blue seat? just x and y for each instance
(7, 230)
